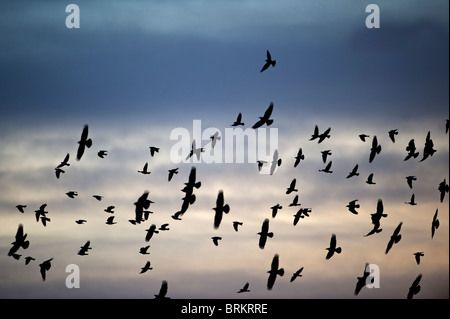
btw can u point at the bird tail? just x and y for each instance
(338, 250)
(280, 272)
(397, 239)
(270, 235)
(274, 62)
(88, 143)
(27, 243)
(192, 199)
(378, 149)
(436, 224)
(269, 122)
(226, 209)
(416, 154)
(198, 184)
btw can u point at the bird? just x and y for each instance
(275, 209)
(150, 232)
(443, 188)
(216, 240)
(28, 259)
(325, 155)
(153, 150)
(162, 291)
(110, 220)
(362, 281)
(294, 202)
(352, 206)
(411, 148)
(177, 215)
(65, 162)
(265, 119)
(58, 172)
(21, 208)
(274, 271)
(97, 197)
(44, 267)
(291, 187)
(146, 267)
(354, 172)
(84, 249)
(434, 223)
(376, 217)
(145, 170)
(110, 209)
(299, 157)
(144, 250)
(409, 180)
(142, 203)
(44, 220)
(83, 142)
(376, 149)
(428, 149)
(264, 233)
(417, 256)
(238, 121)
(195, 150)
(19, 242)
(244, 289)
(370, 179)
(320, 136)
(260, 164)
(269, 62)
(220, 208)
(40, 212)
(395, 238)
(214, 138)
(72, 194)
(301, 213)
(296, 274)
(327, 168)
(236, 224)
(172, 172)
(415, 287)
(163, 227)
(80, 221)
(392, 134)
(411, 201)
(363, 137)
(332, 249)
(276, 162)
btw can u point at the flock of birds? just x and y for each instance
(142, 204)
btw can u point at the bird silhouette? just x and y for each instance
(44, 267)
(172, 172)
(214, 138)
(216, 240)
(72, 194)
(220, 209)
(376, 217)
(392, 134)
(415, 287)
(244, 289)
(110, 209)
(164, 227)
(352, 206)
(269, 62)
(362, 281)
(28, 259)
(146, 267)
(264, 233)
(265, 119)
(320, 136)
(65, 162)
(363, 137)
(409, 180)
(395, 238)
(417, 256)
(411, 148)
(44, 220)
(294, 202)
(325, 155)
(144, 250)
(21, 208)
(301, 213)
(276, 162)
(153, 150)
(434, 223)
(274, 271)
(332, 249)
(354, 172)
(58, 172)
(236, 224)
(84, 249)
(40, 212)
(83, 142)
(102, 153)
(428, 149)
(291, 187)
(376, 149)
(150, 232)
(327, 168)
(238, 121)
(19, 242)
(296, 274)
(299, 157)
(411, 201)
(370, 179)
(110, 221)
(260, 164)
(443, 188)
(275, 209)
(80, 221)
(162, 291)
(145, 170)
(142, 203)
(195, 150)
(97, 197)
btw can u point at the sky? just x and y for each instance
(138, 73)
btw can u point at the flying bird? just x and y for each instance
(376, 217)
(415, 287)
(28, 259)
(110, 209)
(195, 150)
(150, 232)
(44, 220)
(332, 249)
(301, 213)
(44, 267)
(411, 201)
(327, 168)
(395, 238)
(145, 170)
(80, 221)
(162, 291)
(264, 233)
(83, 142)
(296, 274)
(84, 249)
(275, 209)
(144, 250)
(325, 155)
(260, 164)
(72, 194)
(21, 208)
(320, 136)
(97, 197)
(299, 157)
(376, 149)
(269, 62)
(65, 162)
(363, 137)
(236, 224)
(164, 227)
(244, 289)
(409, 180)
(214, 138)
(362, 281)
(443, 188)
(392, 134)
(428, 150)
(216, 240)
(274, 272)
(276, 162)
(146, 267)
(265, 119)
(142, 203)
(238, 120)
(294, 202)
(434, 223)
(411, 148)
(102, 153)
(354, 172)
(352, 206)
(370, 179)
(220, 209)
(19, 242)
(172, 172)
(40, 212)
(110, 221)
(417, 256)
(153, 150)
(291, 187)
(58, 172)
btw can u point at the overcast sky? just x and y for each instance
(136, 71)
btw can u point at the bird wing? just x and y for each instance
(19, 234)
(265, 226)
(269, 57)
(380, 207)
(163, 290)
(397, 230)
(268, 111)
(84, 133)
(333, 241)
(275, 263)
